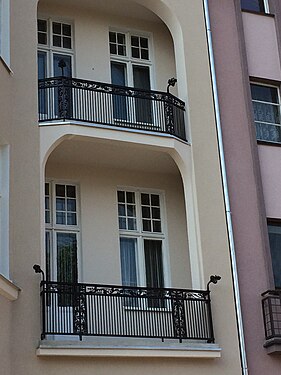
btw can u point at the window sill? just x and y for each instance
(123, 348)
(258, 13)
(6, 66)
(268, 143)
(8, 289)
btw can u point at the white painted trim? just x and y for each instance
(189, 351)
(8, 289)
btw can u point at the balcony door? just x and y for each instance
(55, 59)
(131, 66)
(61, 249)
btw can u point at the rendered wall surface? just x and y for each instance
(191, 61)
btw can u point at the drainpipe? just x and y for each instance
(226, 194)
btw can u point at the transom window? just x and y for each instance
(141, 238)
(266, 106)
(255, 5)
(134, 46)
(56, 34)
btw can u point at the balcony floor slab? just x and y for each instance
(124, 347)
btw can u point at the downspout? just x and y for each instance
(226, 194)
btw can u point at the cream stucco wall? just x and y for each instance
(198, 163)
(100, 260)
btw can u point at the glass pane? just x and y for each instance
(130, 197)
(71, 218)
(121, 210)
(118, 77)
(47, 203)
(274, 232)
(47, 189)
(128, 261)
(145, 212)
(156, 226)
(266, 112)
(113, 49)
(155, 200)
(60, 204)
(56, 28)
(42, 25)
(57, 41)
(66, 264)
(144, 54)
(121, 50)
(66, 42)
(47, 217)
(120, 38)
(122, 223)
(135, 41)
(67, 70)
(121, 196)
(48, 255)
(264, 93)
(42, 38)
(71, 191)
(131, 210)
(153, 263)
(144, 42)
(135, 52)
(42, 71)
(60, 218)
(132, 224)
(253, 5)
(112, 37)
(145, 199)
(155, 213)
(66, 30)
(267, 132)
(146, 225)
(71, 205)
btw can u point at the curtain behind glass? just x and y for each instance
(274, 233)
(128, 261)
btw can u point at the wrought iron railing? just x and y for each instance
(271, 307)
(108, 310)
(63, 98)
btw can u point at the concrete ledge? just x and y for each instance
(88, 349)
(273, 346)
(8, 289)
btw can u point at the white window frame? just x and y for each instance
(54, 228)
(141, 235)
(5, 31)
(128, 60)
(268, 103)
(50, 50)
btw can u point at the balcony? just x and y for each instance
(63, 98)
(271, 306)
(117, 311)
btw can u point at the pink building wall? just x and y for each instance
(242, 161)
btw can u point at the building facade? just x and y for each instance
(246, 40)
(111, 185)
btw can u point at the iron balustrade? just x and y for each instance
(120, 311)
(271, 307)
(63, 98)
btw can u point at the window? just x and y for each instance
(55, 45)
(4, 210)
(255, 5)
(141, 238)
(5, 31)
(266, 106)
(62, 231)
(274, 232)
(131, 66)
